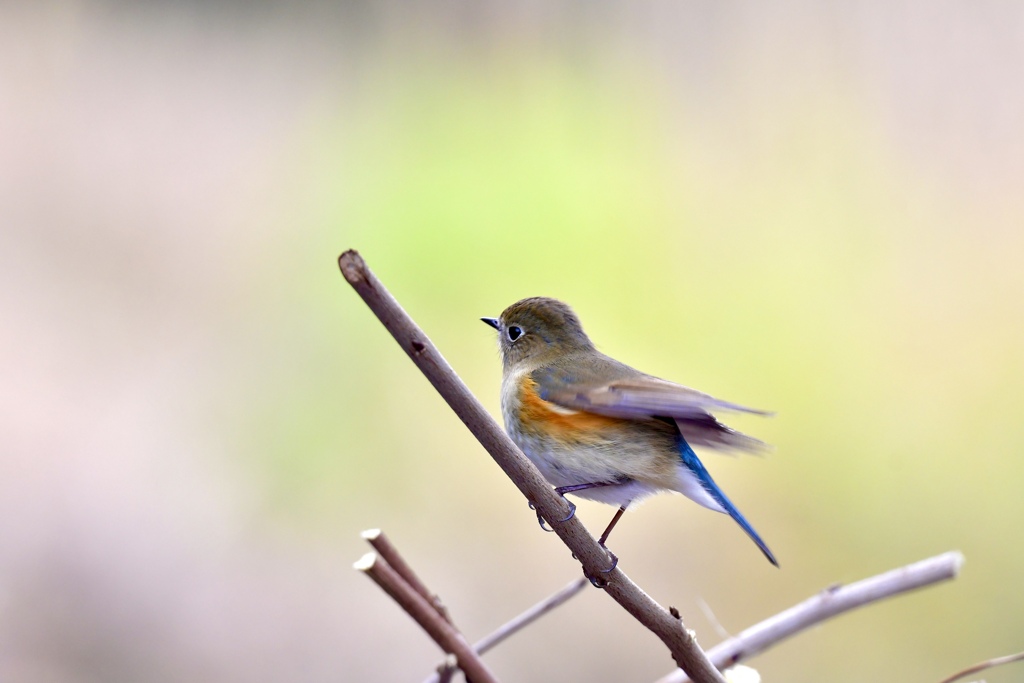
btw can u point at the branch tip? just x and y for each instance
(366, 562)
(370, 534)
(957, 559)
(352, 265)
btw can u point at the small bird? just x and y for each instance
(599, 429)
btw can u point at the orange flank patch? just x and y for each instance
(553, 419)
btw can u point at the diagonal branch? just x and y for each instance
(389, 553)
(443, 633)
(829, 603)
(680, 642)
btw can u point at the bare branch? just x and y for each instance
(981, 666)
(829, 603)
(389, 553)
(529, 616)
(595, 560)
(443, 633)
(520, 622)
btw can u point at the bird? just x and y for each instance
(601, 430)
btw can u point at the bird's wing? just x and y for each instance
(604, 386)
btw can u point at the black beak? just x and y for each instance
(493, 322)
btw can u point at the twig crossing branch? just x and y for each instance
(522, 621)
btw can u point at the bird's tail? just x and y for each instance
(696, 483)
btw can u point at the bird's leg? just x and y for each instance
(611, 524)
(596, 580)
(562, 490)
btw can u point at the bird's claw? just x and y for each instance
(543, 523)
(540, 518)
(601, 581)
(572, 511)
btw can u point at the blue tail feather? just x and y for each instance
(693, 463)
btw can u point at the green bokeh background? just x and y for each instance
(813, 209)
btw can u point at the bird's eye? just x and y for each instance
(514, 333)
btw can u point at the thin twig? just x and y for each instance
(389, 553)
(555, 509)
(520, 622)
(443, 633)
(981, 666)
(829, 603)
(710, 615)
(529, 616)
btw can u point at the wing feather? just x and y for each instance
(607, 387)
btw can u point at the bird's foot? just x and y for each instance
(600, 580)
(540, 518)
(543, 523)
(572, 511)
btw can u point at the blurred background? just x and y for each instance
(812, 208)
